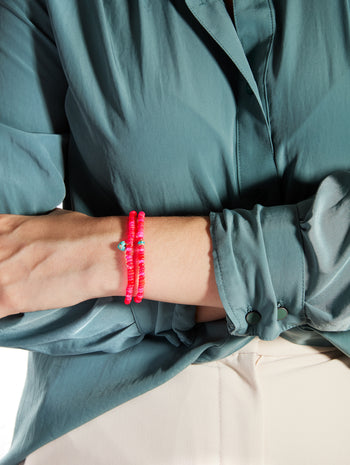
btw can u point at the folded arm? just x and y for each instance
(242, 261)
(60, 259)
(234, 262)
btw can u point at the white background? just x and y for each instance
(13, 368)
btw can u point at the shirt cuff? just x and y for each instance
(259, 269)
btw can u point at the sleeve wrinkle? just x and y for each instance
(285, 266)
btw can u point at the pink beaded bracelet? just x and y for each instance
(129, 256)
(134, 248)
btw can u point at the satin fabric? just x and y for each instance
(164, 106)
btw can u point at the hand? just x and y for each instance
(52, 261)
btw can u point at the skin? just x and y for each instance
(65, 257)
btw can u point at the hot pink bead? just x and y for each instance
(129, 256)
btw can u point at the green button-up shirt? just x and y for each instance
(166, 106)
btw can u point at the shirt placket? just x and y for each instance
(257, 168)
(249, 48)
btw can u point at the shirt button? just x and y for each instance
(252, 318)
(282, 312)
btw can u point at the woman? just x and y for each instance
(230, 132)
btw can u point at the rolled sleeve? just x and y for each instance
(267, 263)
(34, 130)
(31, 171)
(34, 147)
(325, 230)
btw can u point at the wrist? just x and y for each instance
(178, 261)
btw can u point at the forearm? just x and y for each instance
(63, 258)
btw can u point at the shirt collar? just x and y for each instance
(214, 18)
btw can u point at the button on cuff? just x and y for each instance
(248, 321)
(282, 313)
(253, 317)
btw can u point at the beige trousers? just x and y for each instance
(270, 403)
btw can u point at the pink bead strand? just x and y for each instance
(129, 256)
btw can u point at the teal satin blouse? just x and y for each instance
(165, 106)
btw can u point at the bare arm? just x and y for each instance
(57, 260)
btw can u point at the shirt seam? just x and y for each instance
(238, 153)
(136, 321)
(222, 282)
(302, 261)
(267, 60)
